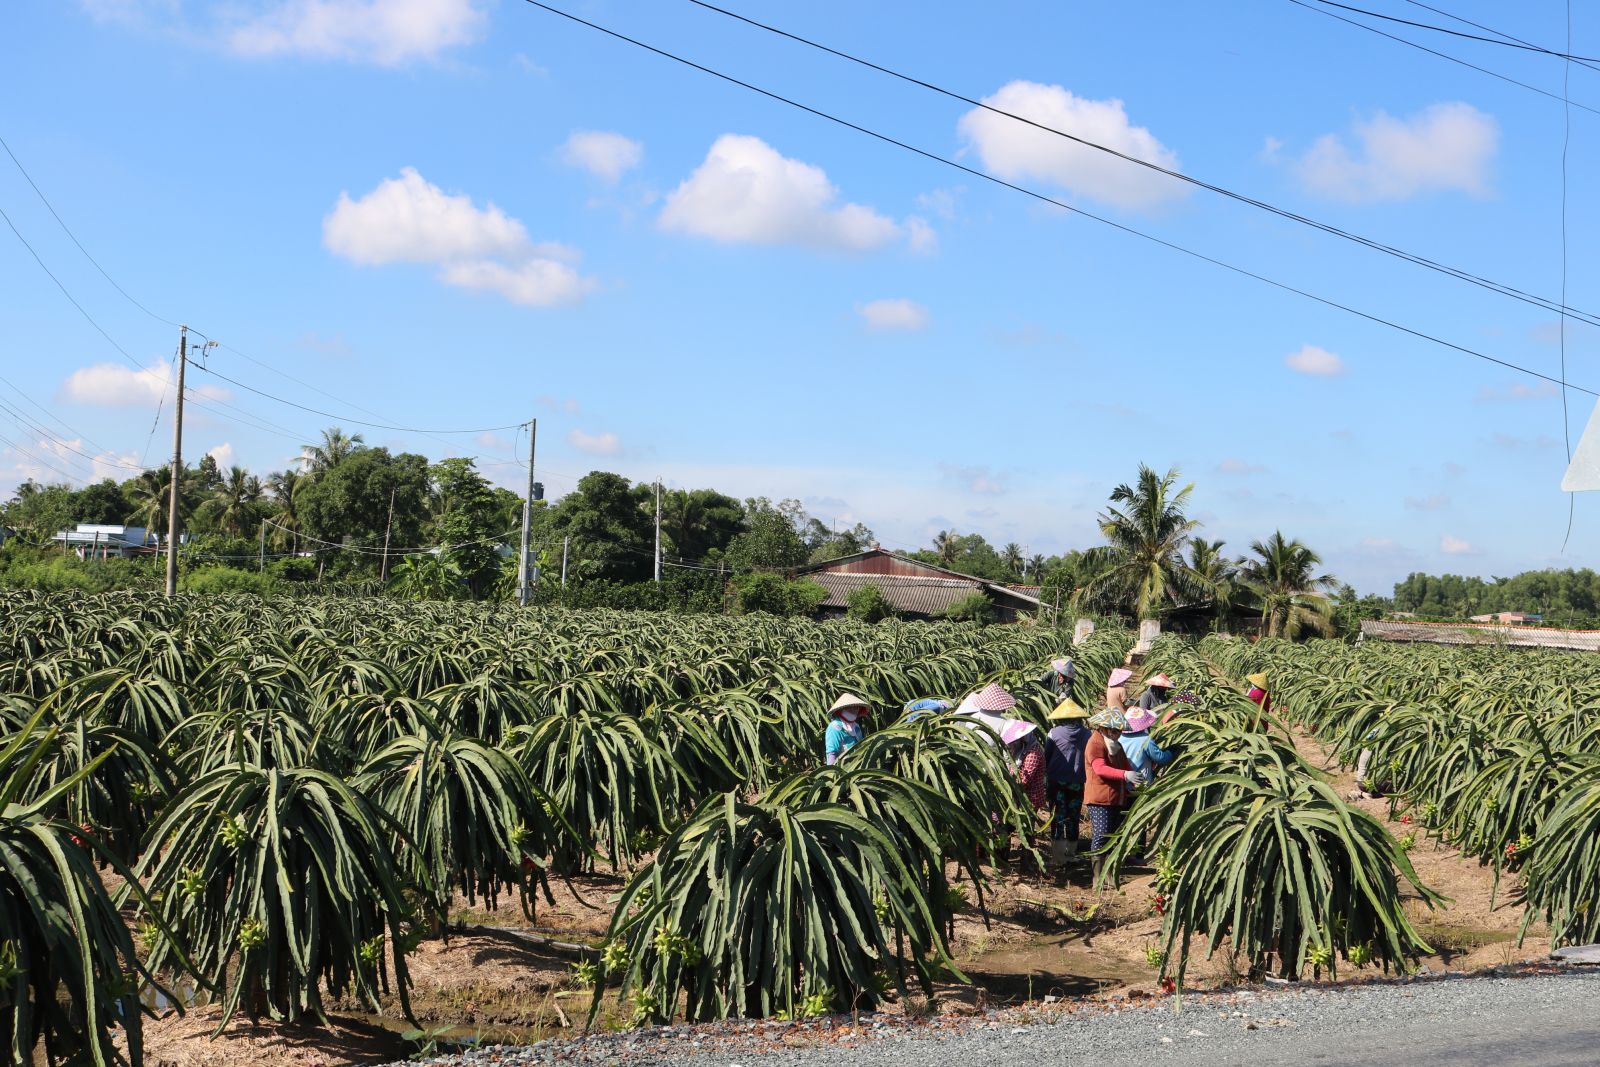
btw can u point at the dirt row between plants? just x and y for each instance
(1048, 940)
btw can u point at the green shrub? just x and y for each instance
(869, 605)
(211, 581)
(974, 608)
(777, 595)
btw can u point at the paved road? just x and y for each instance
(1540, 1020)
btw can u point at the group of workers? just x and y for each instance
(1087, 761)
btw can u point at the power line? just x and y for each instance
(1043, 198)
(129, 297)
(69, 233)
(1284, 213)
(1490, 29)
(345, 418)
(1503, 41)
(1442, 55)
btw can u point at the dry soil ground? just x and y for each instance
(1053, 937)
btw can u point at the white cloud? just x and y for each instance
(386, 32)
(940, 202)
(1271, 148)
(1455, 546)
(1443, 147)
(1511, 441)
(493, 442)
(745, 191)
(1435, 502)
(595, 444)
(1317, 362)
(1014, 150)
(223, 454)
(1232, 465)
(974, 479)
(52, 460)
(533, 283)
(896, 314)
(564, 404)
(921, 238)
(1518, 391)
(605, 155)
(410, 220)
(116, 385)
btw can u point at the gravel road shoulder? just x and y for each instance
(1544, 1016)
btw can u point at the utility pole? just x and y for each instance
(177, 465)
(383, 569)
(564, 542)
(261, 556)
(658, 530)
(524, 588)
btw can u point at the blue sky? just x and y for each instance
(463, 213)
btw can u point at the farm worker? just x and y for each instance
(1143, 753)
(1059, 678)
(844, 726)
(1155, 692)
(1108, 780)
(1027, 757)
(1063, 751)
(918, 708)
(985, 709)
(1258, 690)
(1117, 689)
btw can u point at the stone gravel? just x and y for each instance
(1258, 1026)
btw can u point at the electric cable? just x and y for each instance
(1044, 198)
(1284, 213)
(1491, 29)
(1435, 52)
(1504, 43)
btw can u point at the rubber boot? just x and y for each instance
(1058, 854)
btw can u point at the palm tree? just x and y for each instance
(285, 526)
(335, 447)
(236, 505)
(1145, 570)
(149, 494)
(1292, 598)
(1013, 559)
(947, 543)
(1216, 572)
(1035, 567)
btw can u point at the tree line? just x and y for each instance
(450, 534)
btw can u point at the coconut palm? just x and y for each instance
(1145, 570)
(285, 526)
(1217, 573)
(236, 505)
(1035, 567)
(947, 543)
(1013, 559)
(1292, 598)
(150, 493)
(334, 448)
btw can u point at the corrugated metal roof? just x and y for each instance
(916, 596)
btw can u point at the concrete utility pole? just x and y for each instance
(177, 466)
(261, 554)
(565, 541)
(524, 587)
(383, 570)
(658, 531)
